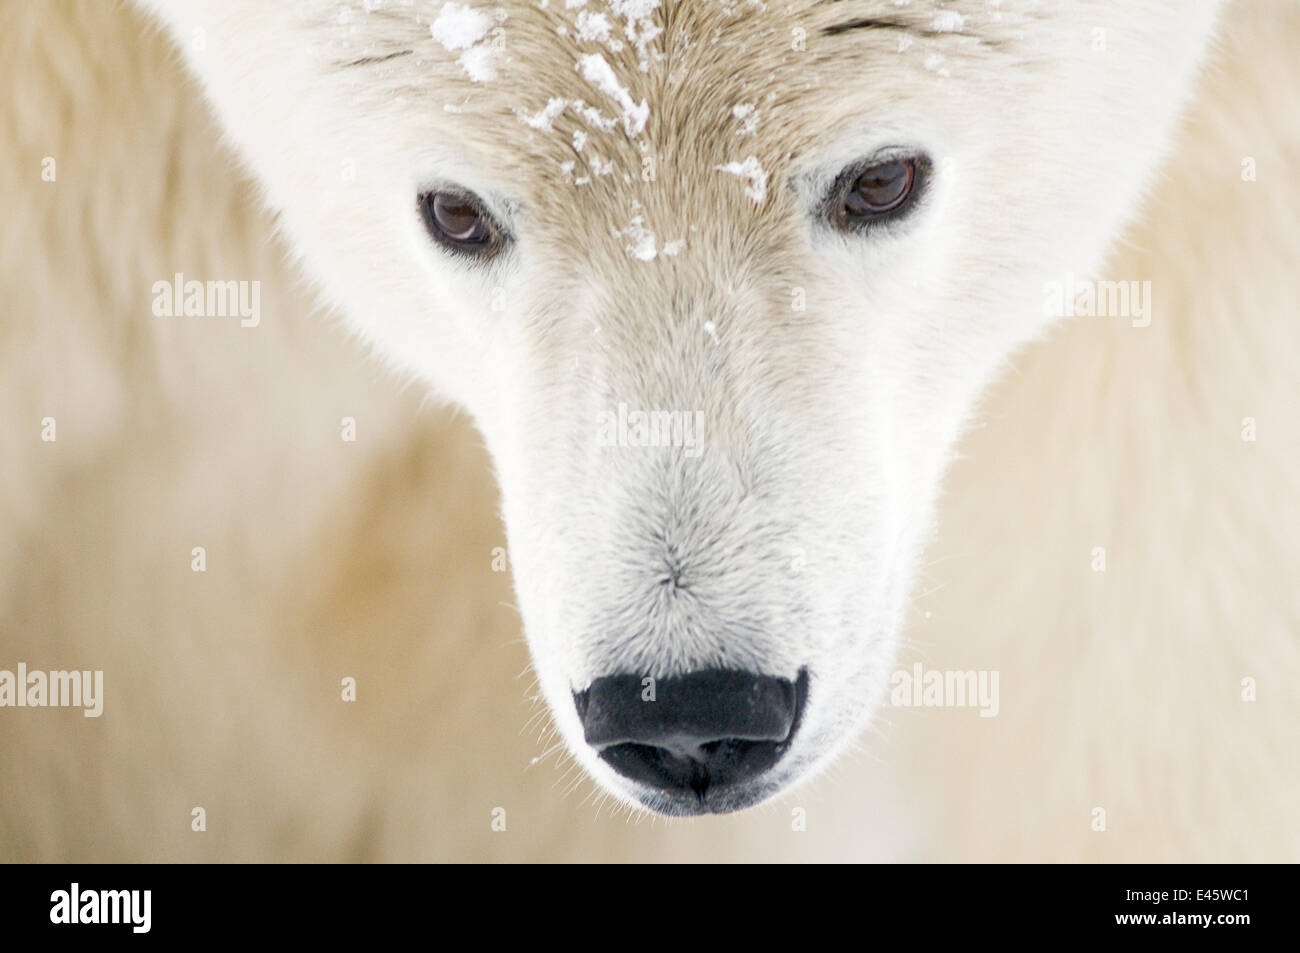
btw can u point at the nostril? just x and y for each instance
(695, 733)
(713, 765)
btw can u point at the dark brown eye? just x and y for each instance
(882, 188)
(457, 220)
(877, 192)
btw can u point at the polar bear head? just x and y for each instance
(720, 282)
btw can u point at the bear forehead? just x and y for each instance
(699, 79)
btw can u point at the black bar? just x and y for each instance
(238, 902)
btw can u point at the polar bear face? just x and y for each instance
(720, 282)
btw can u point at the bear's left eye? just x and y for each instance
(863, 196)
(458, 221)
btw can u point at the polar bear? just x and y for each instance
(721, 286)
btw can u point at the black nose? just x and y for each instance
(692, 735)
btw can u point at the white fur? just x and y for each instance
(828, 429)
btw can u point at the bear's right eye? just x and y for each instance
(458, 222)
